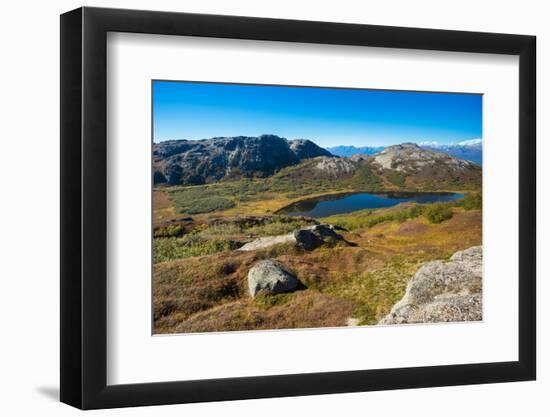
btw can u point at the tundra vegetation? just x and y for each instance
(200, 277)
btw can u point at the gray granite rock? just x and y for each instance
(443, 291)
(270, 277)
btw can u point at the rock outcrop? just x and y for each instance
(268, 241)
(308, 238)
(313, 237)
(304, 149)
(443, 292)
(269, 277)
(334, 167)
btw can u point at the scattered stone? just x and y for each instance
(443, 291)
(269, 277)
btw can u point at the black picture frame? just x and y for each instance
(84, 207)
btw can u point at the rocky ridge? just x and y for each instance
(194, 162)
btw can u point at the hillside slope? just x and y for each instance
(410, 165)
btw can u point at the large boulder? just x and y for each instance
(443, 291)
(269, 277)
(312, 237)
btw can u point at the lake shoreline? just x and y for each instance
(396, 197)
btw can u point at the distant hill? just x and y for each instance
(354, 150)
(301, 161)
(471, 150)
(410, 165)
(193, 162)
(404, 166)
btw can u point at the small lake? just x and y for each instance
(346, 203)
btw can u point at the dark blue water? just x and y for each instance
(346, 203)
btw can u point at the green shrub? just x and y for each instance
(166, 249)
(365, 178)
(367, 218)
(416, 211)
(397, 178)
(207, 205)
(265, 301)
(172, 230)
(196, 200)
(472, 201)
(437, 213)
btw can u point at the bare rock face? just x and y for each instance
(335, 167)
(304, 148)
(443, 292)
(269, 277)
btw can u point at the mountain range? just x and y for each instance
(407, 165)
(470, 150)
(349, 150)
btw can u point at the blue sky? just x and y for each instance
(328, 116)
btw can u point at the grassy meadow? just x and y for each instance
(200, 278)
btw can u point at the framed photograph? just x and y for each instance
(257, 208)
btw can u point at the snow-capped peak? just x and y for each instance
(437, 145)
(471, 142)
(432, 143)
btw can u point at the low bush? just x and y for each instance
(367, 218)
(196, 200)
(365, 179)
(397, 178)
(437, 213)
(166, 249)
(472, 201)
(374, 292)
(207, 205)
(172, 230)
